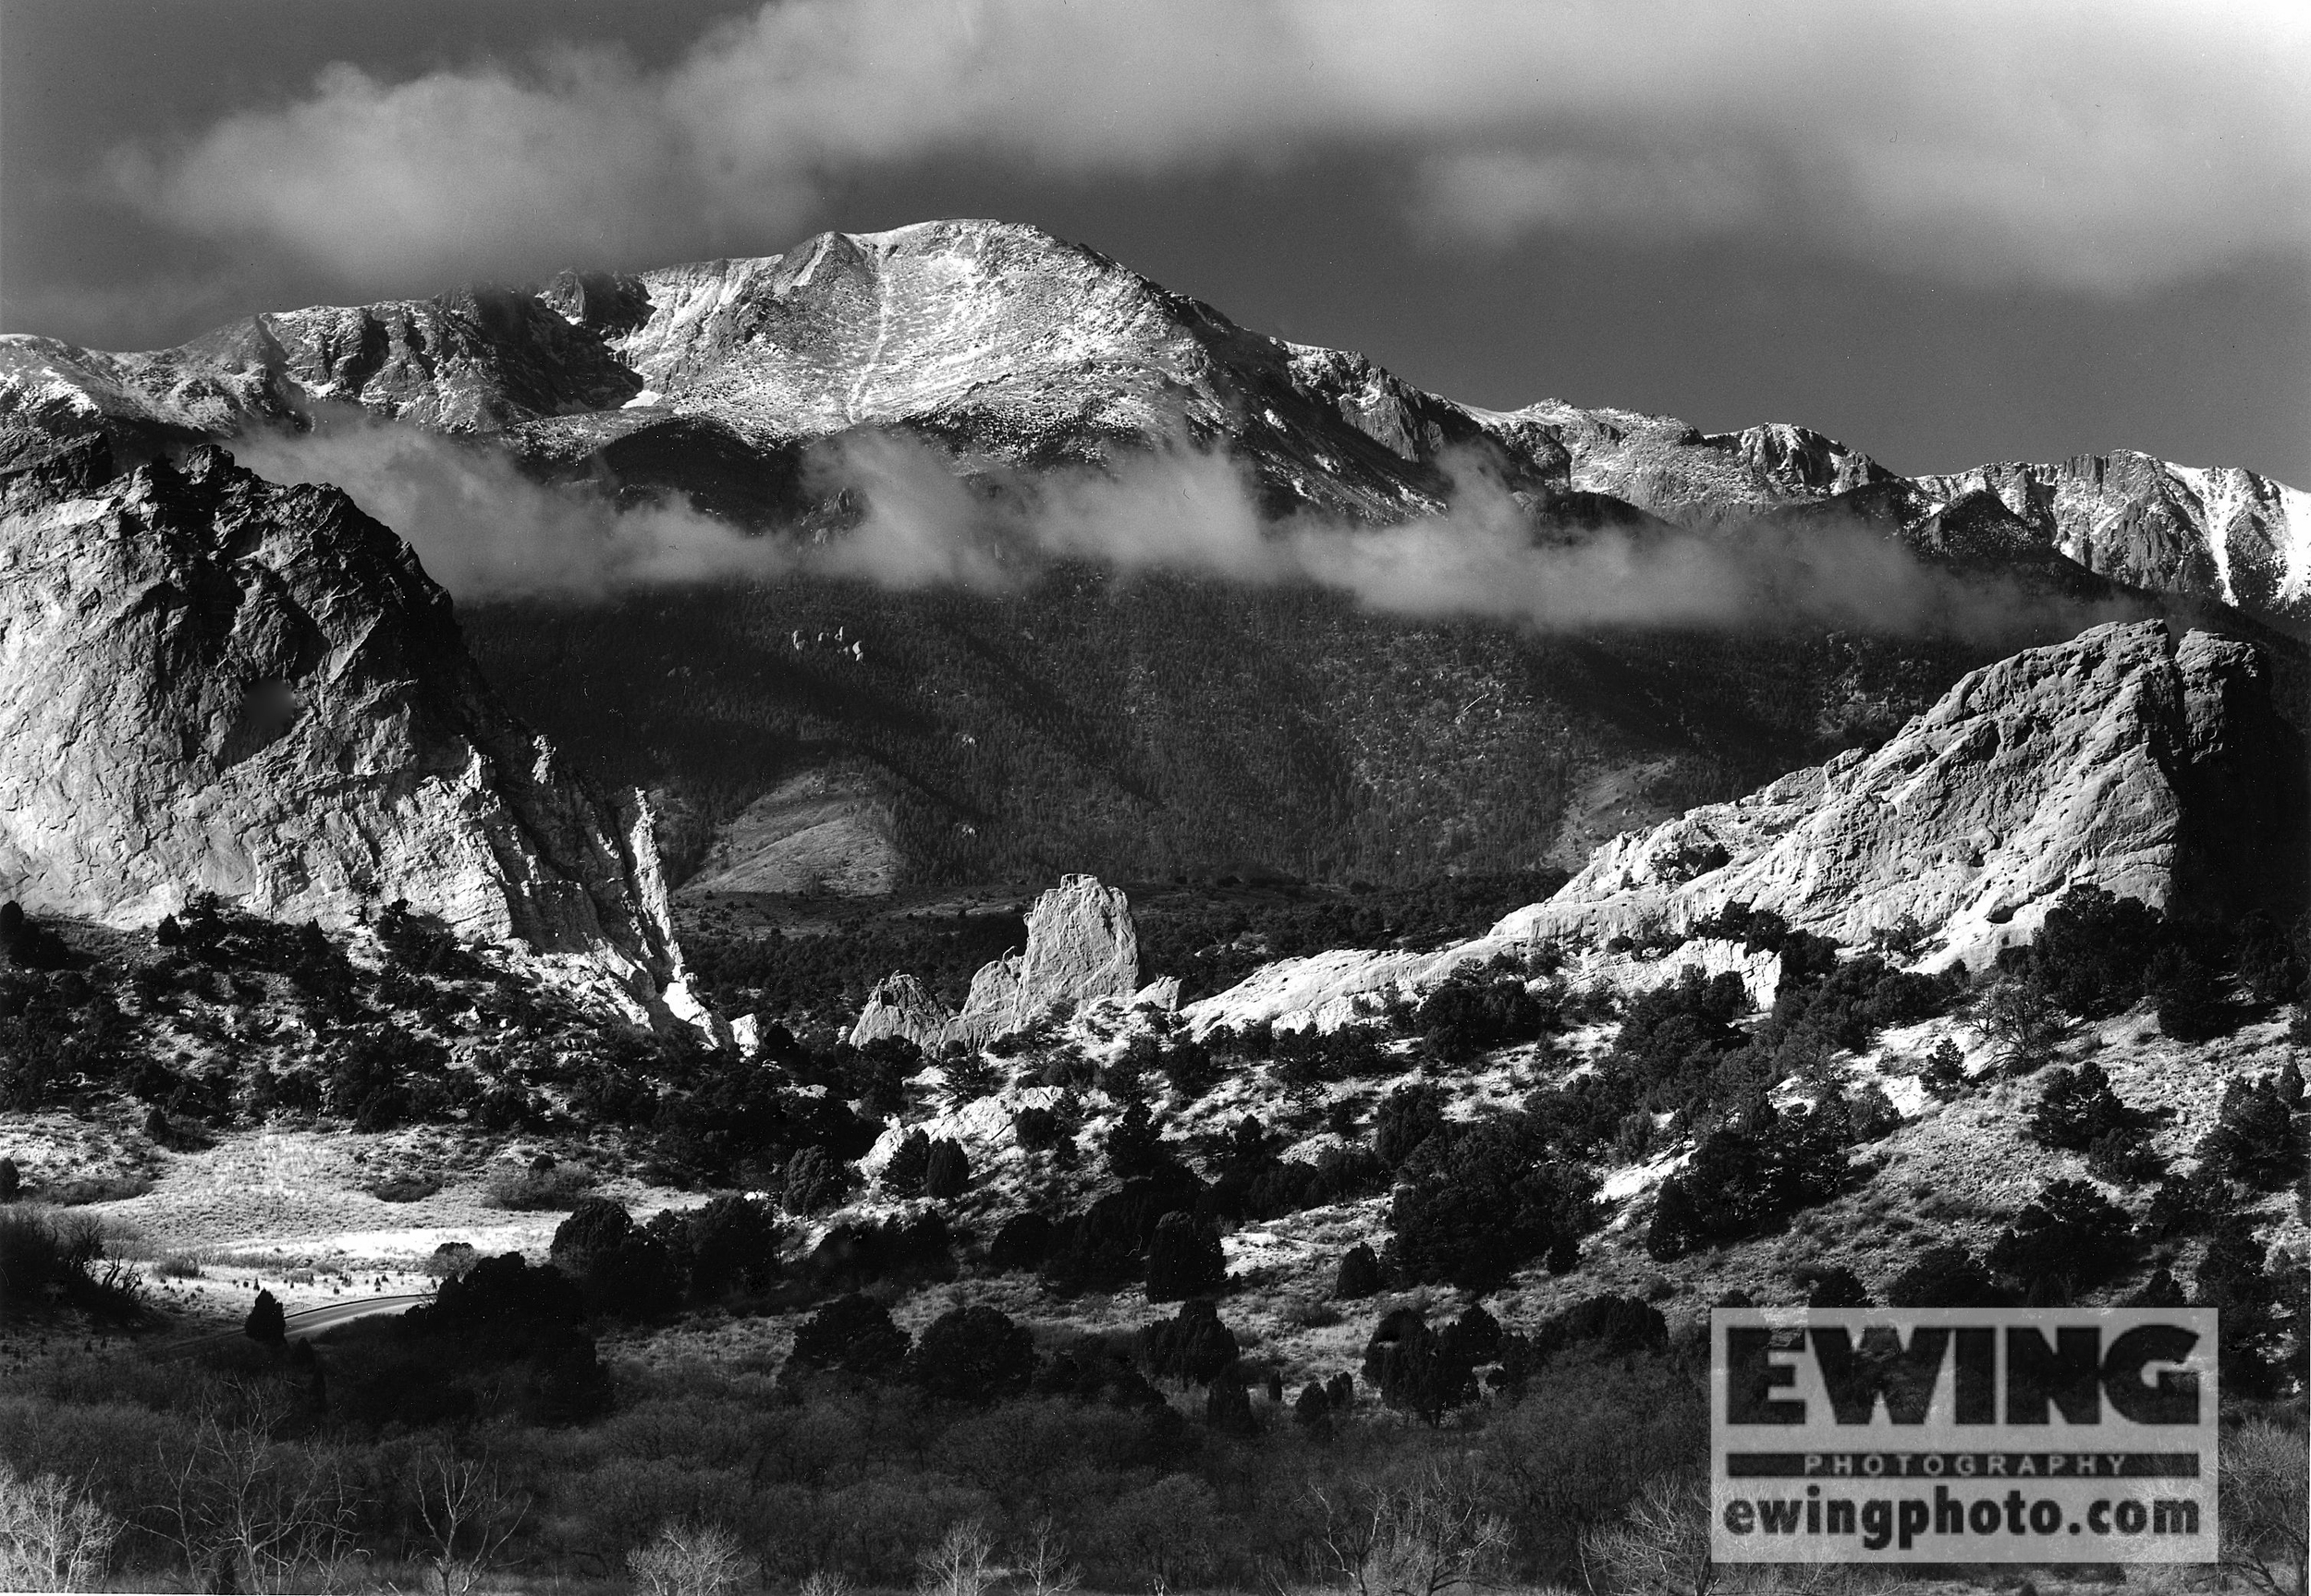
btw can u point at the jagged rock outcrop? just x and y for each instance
(1082, 947)
(218, 684)
(2218, 532)
(901, 1006)
(2156, 769)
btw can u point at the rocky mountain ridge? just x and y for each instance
(221, 685)
(2154, 767)
(1005, 344)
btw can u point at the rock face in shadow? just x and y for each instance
(218, 684)
(2158, 770)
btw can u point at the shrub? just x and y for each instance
(815, 1180)
(851, 1256)
(1474, 1010)
(2068, 1238)
(47, 1262)
(1189, 1065)
(970, 1077)
(1228, 1407)
(177, 1266)
(2091, 950)
(947, 1170)
(2124, 1158)
(1413, 1368)
(902, 1177)
(11, 1180)
(2189, 1001)
(1193, 1347)
(1024, 1242)
(1946, 1277)
(973, 1355)
(1359, 1274)
(1036, 1128)
(854, 1334)
(1135, 1147)
(728, 1245)
(2184, 1205)
(2022, 1022)
(1408, 1117)
(1609, 1323)
(1742, 1181)
(1837, 1287)
(1944, 1072)
(1184, 1259)
(405, 1189)
(2255, 1139)
(622, 1271)
(2078, 1109)
(2232, 1280)
(544, 1187)
(1490, 1204)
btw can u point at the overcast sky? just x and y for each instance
(1944, 232)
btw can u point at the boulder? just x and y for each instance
(901, 1006)
(218, 684)
(2158, 770)
(1162, 992)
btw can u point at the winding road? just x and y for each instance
(312, 1320)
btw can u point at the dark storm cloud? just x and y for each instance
(2101, 149)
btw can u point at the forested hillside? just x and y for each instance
(1154, 727)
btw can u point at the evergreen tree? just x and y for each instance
(1191, 1346)
(1135, 1146)
(2256, 1139)
(946, 1171)
(1184, 1259)
(2070, 1233)
(973, 1355)
(266, 1324)
(854, 1334)
(1227, 1407)
(1359, 1274)
(1946, 1277)
(1413, 1368)
(910, 1161)
(2231, 1280)
(1837, 1287)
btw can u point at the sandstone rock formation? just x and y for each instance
(901, 1006)
(218, 684)
(1082, 947)
(2158, 770)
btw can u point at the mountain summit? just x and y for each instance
(1003, 342)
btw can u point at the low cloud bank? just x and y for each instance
(485, 530)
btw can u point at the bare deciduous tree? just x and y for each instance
(1040, 1566)
(963, 1563)
(242, 1508)
(1432, 1533)
(469, 1517)
(52, 1537)
(2263, 1483)
(1660, 1545)
(689, 1560)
